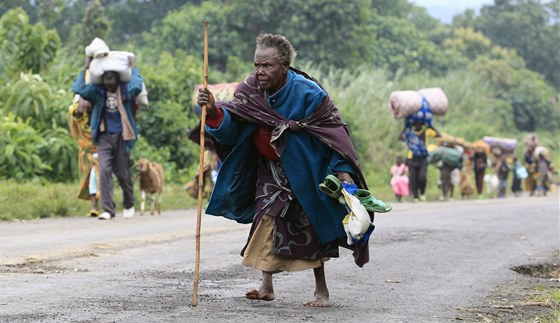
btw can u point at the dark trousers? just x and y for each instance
(417, 175)
(113, 158)
(516, 185)
(445, 177)
(479, 180)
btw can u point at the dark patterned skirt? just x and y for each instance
(293, 235)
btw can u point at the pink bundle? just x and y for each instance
(437, 99)
(405, 103)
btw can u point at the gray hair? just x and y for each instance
(286, 52)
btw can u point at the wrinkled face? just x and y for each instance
(268, 71)
(110, 81)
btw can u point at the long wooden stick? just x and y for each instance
(200, 172)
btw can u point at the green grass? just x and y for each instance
(550, 297)
(29, 201)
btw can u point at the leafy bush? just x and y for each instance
(20, 147)
(25, 47)
(34, 100)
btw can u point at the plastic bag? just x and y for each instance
(358, 222)
(142, 98)
(521, 172)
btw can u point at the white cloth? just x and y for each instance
(97, 48)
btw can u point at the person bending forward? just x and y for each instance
(282, 135)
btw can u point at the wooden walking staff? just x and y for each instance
(200, 172)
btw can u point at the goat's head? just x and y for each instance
(142, 165)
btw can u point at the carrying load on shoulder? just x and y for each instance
(499, 146)
(105, 60)
(449, 140)
(417, 108)
(450, 156)
(108, 92)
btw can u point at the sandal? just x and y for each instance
(93, 213)
(371, 203)
(331, 186)
(368, 201)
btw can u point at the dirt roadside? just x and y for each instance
(532, 297)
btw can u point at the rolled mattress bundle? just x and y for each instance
(505, 145)
(405, 103)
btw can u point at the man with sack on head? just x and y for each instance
(113, 129)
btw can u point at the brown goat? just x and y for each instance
(151, 181)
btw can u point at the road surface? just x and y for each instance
(427, 262)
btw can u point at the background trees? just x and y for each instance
(500, 69)
(528, 26)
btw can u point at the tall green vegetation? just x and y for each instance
(499, 70)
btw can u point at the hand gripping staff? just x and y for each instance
(200, 172)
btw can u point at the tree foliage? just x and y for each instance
(360, 50)
(94, 23)
(533, 101)
(529, 27)
(25, 47)
(327, 25)
(170, 81)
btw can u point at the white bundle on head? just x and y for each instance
(114, 61)
(97, 48)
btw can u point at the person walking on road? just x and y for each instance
(399, 179)
(519, 173)
(502, 170)
(480, 162)
(418, 128)
(543, 169)
(278, 139)
(114, 132)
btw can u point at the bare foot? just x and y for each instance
(257, 295)
(319, 301)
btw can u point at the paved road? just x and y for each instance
(427, 261)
